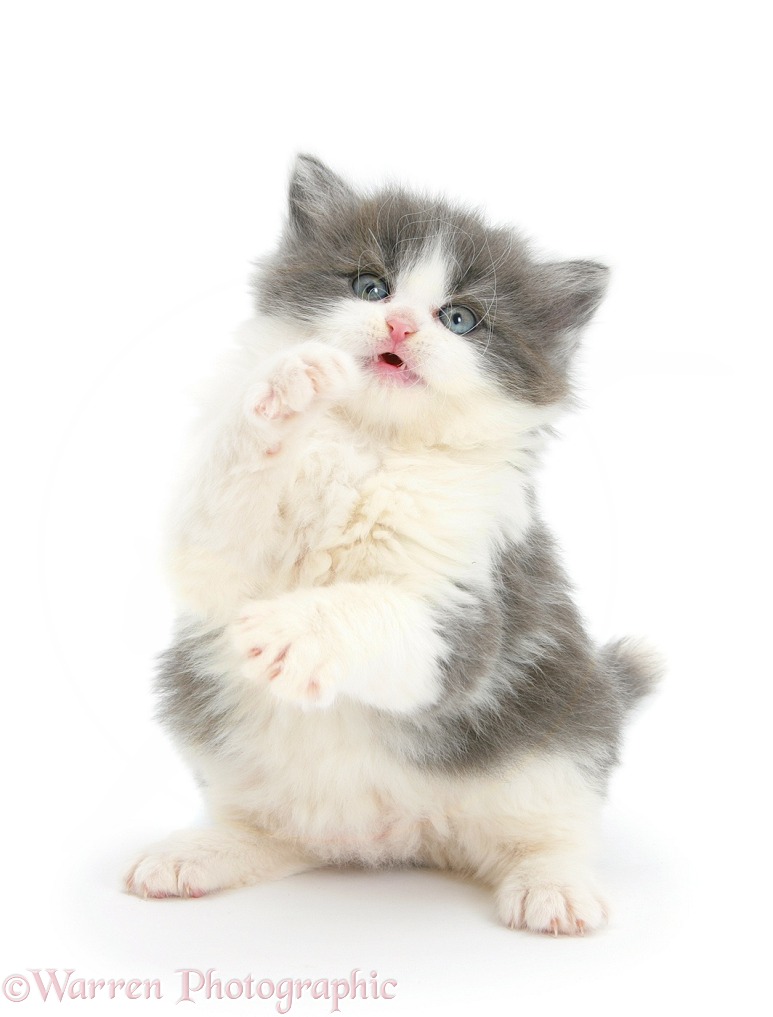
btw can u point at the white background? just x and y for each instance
(146, 151)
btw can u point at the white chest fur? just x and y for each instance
(337, 508)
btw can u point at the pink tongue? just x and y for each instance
(391, 358)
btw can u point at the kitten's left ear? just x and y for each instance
(571, 292)
(315, 193)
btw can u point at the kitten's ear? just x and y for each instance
(570, 293)
(315, 192)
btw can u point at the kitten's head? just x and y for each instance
(433, 302)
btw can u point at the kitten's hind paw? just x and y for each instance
(551, 908)
(192, 863)
(311, 372)
(158, 875)
(187, 864)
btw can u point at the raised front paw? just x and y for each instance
(311, 372)
(287, 650)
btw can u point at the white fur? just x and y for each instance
(326, 521)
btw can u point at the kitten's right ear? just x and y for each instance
(315, 192)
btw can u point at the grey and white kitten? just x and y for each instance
(378, 657)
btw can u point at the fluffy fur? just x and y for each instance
(378, 657)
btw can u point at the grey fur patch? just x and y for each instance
(192, 699)
(523, 677)
(531, 312)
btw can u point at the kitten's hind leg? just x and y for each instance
(192, 863)
(534, 845)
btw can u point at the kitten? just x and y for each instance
(378, 659)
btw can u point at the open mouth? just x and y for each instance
(394, 370)
(390, 358)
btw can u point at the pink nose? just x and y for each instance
(400, 328)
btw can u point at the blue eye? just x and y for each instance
(370, 287)
(458, 319)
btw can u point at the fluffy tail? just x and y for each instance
(636, 667)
